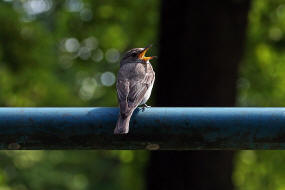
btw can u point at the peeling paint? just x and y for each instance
(152, 146)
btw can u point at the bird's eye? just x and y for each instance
(134, 54)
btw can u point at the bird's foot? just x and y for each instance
(145, 106)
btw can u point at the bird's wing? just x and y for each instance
(131, 93)
(123, 88)
(138, 90)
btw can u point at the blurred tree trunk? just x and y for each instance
(201, 45)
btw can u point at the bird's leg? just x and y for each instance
(145, 106)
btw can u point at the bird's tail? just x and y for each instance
(122, 126)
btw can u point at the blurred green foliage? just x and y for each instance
(262, 83)
(66, 53)
(75, 170)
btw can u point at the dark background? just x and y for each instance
(66, 53)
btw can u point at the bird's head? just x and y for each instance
(136, 55)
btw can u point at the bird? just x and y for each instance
(134, 84)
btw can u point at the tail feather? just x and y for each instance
(122, 126)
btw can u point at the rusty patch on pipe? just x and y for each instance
(152, 146)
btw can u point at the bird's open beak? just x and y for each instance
(142, 54)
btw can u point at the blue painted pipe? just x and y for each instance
(152, 128)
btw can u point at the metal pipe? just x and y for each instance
(152, 128)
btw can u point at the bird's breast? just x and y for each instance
(147, 94)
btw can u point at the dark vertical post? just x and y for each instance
(201, 45)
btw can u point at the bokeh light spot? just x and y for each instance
(74, 5)
(84, 53)
(33, 7)
(108, 78)
(87, 88)
(91, 43)
(97, 55)
(71, 45)
(112, 55)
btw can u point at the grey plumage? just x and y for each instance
(134, 84)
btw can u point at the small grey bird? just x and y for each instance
(134, 84)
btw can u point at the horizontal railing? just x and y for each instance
(152, 128)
